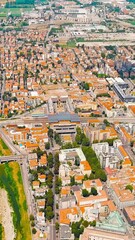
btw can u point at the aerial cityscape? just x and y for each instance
(67, 120)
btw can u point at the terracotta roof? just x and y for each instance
(64, 215)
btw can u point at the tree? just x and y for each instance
(39, 152)
(47, 146)
(57, 138)
(77, 229)
(93, 223)
(101, 174)
(132, 143)
(10, 115)
(57, 226)
(32, 224)
(85, 141)
(94, 191)
(86, 86)
(85, 223)
(50, 160)
(85, 193)
(34, 230)
(85, 177)
(49, 213)
(72, 181)
(129, 187)
(77, 161)
(67, 146)
(103, 55)
(58, 184)
(77, 110)
(103, 95)
(56, 157)
(14, 99)
(56, 163)
(59, 61)
(49, 181)
(50, 133)
(106, 122)
(125, 108)
(78, 139)
(49, 198)
(50, 201)
(78, 130)
(110, 141)
(95, 164)
(75, 145)
(31, 217)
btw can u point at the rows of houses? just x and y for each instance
(73, 205)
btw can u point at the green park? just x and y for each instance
(11, 182)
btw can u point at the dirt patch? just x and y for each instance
(6, 216)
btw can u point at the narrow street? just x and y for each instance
(54, 235)
(27, 187)
(53, 221)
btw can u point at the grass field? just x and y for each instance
(4, 150)
(16, 12)
(1, 232)
(11, 181)
(69, 44)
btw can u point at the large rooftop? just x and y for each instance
(63, 117)
(113, 222)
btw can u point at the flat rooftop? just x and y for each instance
(64, 116)
(130, 211)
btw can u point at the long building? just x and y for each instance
(96, 234)
(64, 123)
(122, 95)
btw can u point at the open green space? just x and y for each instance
(11, 181)
(1, 232)
(15, 12)
(70, 44)
(4, 150)
(55, 30)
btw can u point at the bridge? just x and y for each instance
(18, 158)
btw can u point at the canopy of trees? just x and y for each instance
(129, 187)
(77, 229)
(49, 214)
(86, 193)
(81, 138)
(97, 171)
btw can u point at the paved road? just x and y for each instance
(112, 119)
(2, 92)
(52, 224)
(82, 119)
(12, 158)
(27, 186)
